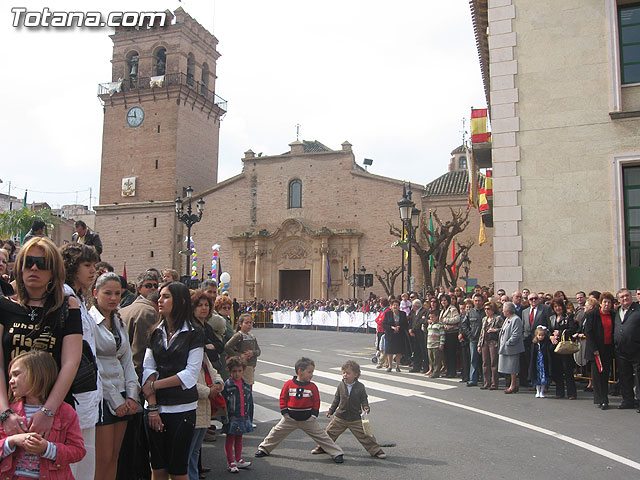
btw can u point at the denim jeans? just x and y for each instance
(476, 362)
(194, 452)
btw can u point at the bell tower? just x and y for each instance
(160, 135)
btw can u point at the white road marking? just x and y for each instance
(358, 355)
(274, 392)
(276, 345)
(420, 382)
(573, 441)
(403, 392)
(452, 380)
(311, 350)
(323, 387)
(264, 414)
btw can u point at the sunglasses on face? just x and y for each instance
(532, 299)
(39, 262)
(150, 285)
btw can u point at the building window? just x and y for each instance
(462, 163)
(295, 194)
(631, 189)
(191, 68)
(629, 24)
(160, 61)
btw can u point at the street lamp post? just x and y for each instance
(406, 206)
(189, 219)
(354, 276)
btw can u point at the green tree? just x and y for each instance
(18, 222)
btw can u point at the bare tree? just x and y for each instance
(388, 279)
(437, 243)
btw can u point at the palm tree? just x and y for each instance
(18, 222)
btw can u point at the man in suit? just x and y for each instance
(417, 318)
(87, 236)
(535, 315)
(626, 337)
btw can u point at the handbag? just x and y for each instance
(566, 347)
(493, 336)
(86, 379)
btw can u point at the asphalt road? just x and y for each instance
(439, 429)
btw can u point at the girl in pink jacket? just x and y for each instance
(29, 454)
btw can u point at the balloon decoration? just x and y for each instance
(214, 262)
(225, 280)
(194, 259)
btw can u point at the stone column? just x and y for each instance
(258, 271)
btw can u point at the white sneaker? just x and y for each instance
(537, 394)
(233, 468)
(242, 464)
(542, 395)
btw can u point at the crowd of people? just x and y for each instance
(132, 380)
(529, 337)
(100, 384)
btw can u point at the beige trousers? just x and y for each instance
(310, 426)
(338, 425)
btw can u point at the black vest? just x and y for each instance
(173, 360)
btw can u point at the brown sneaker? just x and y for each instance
(380, 454)
(317, 450)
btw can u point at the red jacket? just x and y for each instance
(300, 400)
(379, 320)
(66, 435)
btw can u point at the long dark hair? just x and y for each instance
(181, 309)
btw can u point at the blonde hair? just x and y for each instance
(593, 302)
(53, 259)
(41, 373)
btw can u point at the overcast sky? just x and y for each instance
(393, 78)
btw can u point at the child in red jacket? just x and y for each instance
(28, 454)
(300, 405)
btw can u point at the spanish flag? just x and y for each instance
(482, 237)
(479, 132)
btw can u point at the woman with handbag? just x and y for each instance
(41, 316)
(79, 265)
(120, 387)
(563, 326)
(488, 345)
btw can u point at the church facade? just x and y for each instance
(288, 225)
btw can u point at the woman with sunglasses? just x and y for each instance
(40, 317)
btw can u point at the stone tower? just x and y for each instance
(161, 134)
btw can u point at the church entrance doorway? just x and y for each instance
(295, 284)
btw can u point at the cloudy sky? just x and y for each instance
(393, 78)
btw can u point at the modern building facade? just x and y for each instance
(562, 81)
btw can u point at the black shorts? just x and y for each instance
(105, 417)
(170, 448)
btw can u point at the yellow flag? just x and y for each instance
(482, 237)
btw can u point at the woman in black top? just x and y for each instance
(41, 317)
(172, 366)
(562, 365)
(396, 328)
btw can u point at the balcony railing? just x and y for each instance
(162, 81)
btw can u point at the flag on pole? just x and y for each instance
(453, 257)
(482, 237)
(430, 241)
(406, 247)
(479, 132)
(328, 275)
(124, 271)
(473, 180)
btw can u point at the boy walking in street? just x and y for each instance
(350, 400)
(300, 405)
